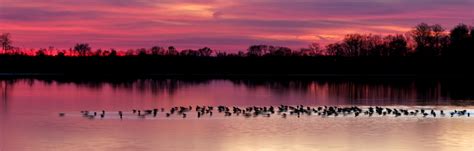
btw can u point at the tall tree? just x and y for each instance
(440, 39)
(397, 45)
(336, 49)
(422, 36)
(355, 45)
(5, 41)
(430, 40)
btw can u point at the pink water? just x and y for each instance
(30, 121)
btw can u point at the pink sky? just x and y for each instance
(220, 24)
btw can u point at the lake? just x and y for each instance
(29, 115)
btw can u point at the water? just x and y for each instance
(29, 115)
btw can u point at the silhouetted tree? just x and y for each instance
(362, 45)
(460, 39)
(397, 45)
(172, 51)
(5, 41)
(257, 50)
(354, 44)
(430, 40)
(142, 52)
(374, 45)
(41, 52)
(113, 53)
(157, 50)
(205, 52)
(314, 49)
(98, 52)
(83, 49)
(422, 36)
(440, 39)
(269, 50)
(105, 53)
(221, 54)
(280, 51)
(241, 54)
(189, 52)
(424, 39)
(336, 49)
(60, 54)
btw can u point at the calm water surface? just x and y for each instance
(29, 115)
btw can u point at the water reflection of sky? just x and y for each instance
(73, 94)
(29, 119)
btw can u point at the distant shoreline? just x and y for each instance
(237, 67)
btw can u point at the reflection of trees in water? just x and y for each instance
(458, 89)
(386, 91)
(155, 86)
(351, 91)
(6, 87)
(370, 91)
(279, 87)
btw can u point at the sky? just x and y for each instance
(227, 25)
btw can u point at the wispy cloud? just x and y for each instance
(221, 24)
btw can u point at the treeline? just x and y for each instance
(422, 40)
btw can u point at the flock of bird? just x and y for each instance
(282, 110)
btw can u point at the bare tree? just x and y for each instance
(422, 36)
(373, 45)
(354, 43)
(336, 49)
(440, 39)
(316, 49)
(281, 51)
(82, 49)
(430, 40)
(5, 41)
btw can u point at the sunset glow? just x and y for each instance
(227, 25)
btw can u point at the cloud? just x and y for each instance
(222, 24)
(44, 15)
